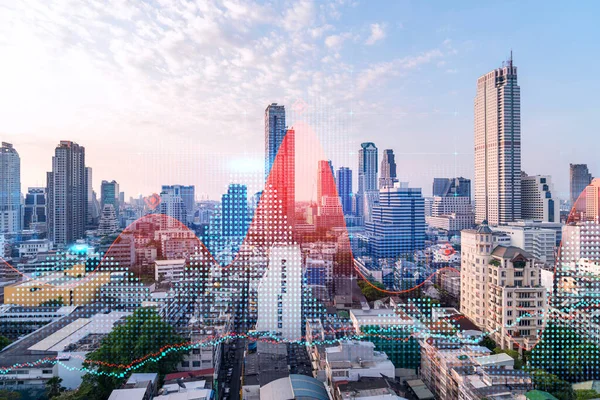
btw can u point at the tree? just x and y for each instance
(9, 395)
(144, 338)
(552, 384)
(4, 341)
(586, 394)
(372, 290)
(489, 343)
(54, 387)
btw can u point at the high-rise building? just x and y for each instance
(344, 188)
(388, 169)
(280, 293)
(234, 206)
(501, 289)
(67, 197)
(172, 205)
(367, 167)
(592, 201)
(109, 194)
(187, 195)
(452, 187)
(398, 225)
(367, 180)
(325, 181)
(537, 202)
(580, 177)
(10, 189)
(498, 146)
(275, 131)
(451, 213)
(282, 181)
(34, 210)
(108, 221)
(93, 209)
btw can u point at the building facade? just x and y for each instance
(537, 201)
(388, 169)
(275, 130)
(34, 210)
(67, 197)
(579, 178)
(344, 188)
(498, 146)
(452, 187)
(10, 189)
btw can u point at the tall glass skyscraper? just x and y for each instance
(109, 194)
(275, 130)
(388, 169)
(67, 197)
(367, 167)
(10, 189)
(579, 177)
(498, 146)
(344, 188)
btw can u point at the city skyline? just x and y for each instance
(173, 129)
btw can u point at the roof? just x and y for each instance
(539, 395)
(420, 390)
(294, 387)
(128, 394)
(494, 359)
(587, 385)
(510, 252)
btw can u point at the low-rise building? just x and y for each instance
(352, 359)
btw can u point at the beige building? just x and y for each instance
(501, 289)
(498, 146)
(537, 201)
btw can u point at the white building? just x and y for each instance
(537, 202)
(171, 270)
(498, 146)
(280, 293)
(351, 360)
(30, 248)
(10, 189)
(539, 242)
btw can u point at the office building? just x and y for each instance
(388, 170)
(10, 189)
(280, 189)
(93, 207)
(108, 221)
(34, 210)
(109, 194)
(537, 201)
(187, 195)
(275, 131)
(398, 223)
(234, 209)
(344, 188)
(67, 197)
(452, 187)
(325, 181)
(173, 205)
(280, 293)
(367, 179)
(451, 213)
(592, 200)
(539, 242)
(579, 178)
(498, 146)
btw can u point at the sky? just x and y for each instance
(174, 91)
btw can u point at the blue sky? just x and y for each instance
(174, 91)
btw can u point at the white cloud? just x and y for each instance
(336, 41)
(377, 34)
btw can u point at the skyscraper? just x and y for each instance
(537, 202)
(275, 130)
(344, 188)
(234, 206)
(388, 169)
(93, 209)
(34, 210)
(10, 189)
(187, 195)
(282, 180)
(452, 187)
(367, 167)
(580, 177)
(498, 146)
(280, 293)
(172, 204)
(367, 179)
(398, 223)
(109, 194)
(325, 181)
(67, 198)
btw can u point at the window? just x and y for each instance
(196, 364)
(185, 364)
(196, 351)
